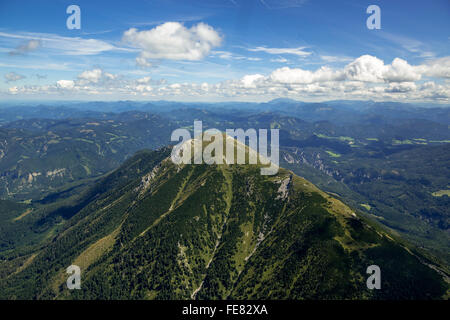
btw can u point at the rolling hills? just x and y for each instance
(39, 156)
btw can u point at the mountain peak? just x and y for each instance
(164, 231)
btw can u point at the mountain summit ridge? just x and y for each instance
(157, 230)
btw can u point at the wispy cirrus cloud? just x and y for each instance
(158, 22)
(59, 44)
(332, 59)
(409, 44)
(282, 4)
(42, 66)
(279, 60)
(300, 51)
(227, 55)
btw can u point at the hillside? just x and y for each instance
(39, 156)
(400, 190)
(394, 170)
(156, 230)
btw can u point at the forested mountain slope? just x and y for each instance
(156, 230)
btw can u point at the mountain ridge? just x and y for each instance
(156, 230)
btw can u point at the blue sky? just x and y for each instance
(252, 50)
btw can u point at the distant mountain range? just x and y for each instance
(388, 163)
(346, 111)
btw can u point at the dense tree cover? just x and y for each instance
(389, 157)
(399, 188)
(155, 230)
(39, 156)
(223, 232)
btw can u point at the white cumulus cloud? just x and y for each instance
(91, 75)
(173, 41)
(366, 77)
(439, 68)
(401, 71)
(298, 75)
(365, 68)
(249, 81)
(65, 84)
